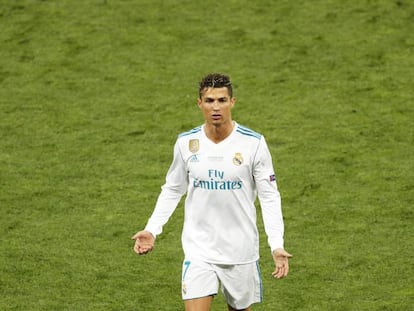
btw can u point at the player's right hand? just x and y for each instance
(144, 242)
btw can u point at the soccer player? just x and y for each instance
(221, 166)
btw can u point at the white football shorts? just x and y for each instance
(241, 285)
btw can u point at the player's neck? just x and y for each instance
(218, 133)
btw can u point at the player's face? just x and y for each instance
(216, 105)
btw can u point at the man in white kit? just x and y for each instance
(221, 166)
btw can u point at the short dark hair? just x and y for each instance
(215, 80)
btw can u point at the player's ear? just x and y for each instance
(232, 101)
(199, 103)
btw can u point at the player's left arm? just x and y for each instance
(270, 202)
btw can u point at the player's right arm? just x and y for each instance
(174, 188)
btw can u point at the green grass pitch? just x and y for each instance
(93, 94)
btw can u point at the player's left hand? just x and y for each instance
(281, 259)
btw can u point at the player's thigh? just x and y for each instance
(199, 280)
(241, 285)
(198, 304)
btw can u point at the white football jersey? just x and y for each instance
(221, 181)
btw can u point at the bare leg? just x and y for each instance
(198, 304)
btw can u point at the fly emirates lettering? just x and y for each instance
(217, 182)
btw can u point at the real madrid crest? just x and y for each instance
(238, 159)
(193, 145)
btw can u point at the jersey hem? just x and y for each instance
(214, 262)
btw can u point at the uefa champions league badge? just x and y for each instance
(193, 145)
(238, 159)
